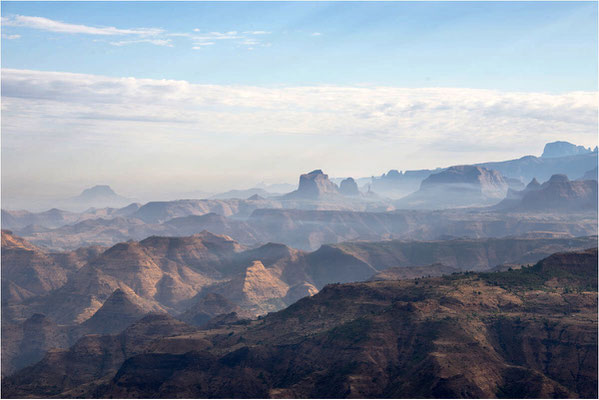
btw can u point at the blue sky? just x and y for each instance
(507, 46)
(159, 99)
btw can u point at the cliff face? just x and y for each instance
(314, 185)
(522, 333)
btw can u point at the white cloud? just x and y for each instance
(427, 114)
(315, 34)
(47, 24)
(157, 42)
(154, 36)
(176, 134)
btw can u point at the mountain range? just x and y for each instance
(530, 332)
(197, 278)
(466, 281)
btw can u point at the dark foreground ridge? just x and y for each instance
(529, 332)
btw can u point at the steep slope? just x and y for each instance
(120, 310)
(519, 334)
(255, 289)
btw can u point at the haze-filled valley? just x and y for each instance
(299, 200)
(184, 284)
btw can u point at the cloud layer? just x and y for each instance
(387, 112)
(166, 132)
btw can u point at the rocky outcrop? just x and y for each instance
(349, 187)
(312, 186)
(563, 149)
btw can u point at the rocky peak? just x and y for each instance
(393, 174)
(563, 149)
(254, 288)
(11, 241)
(533, 185)
(120, 310)
(314, 185)
(98, 191)
(349, 187)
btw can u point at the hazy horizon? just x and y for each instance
(204, 97)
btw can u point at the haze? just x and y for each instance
(166, 103)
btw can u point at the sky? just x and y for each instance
(167, 98)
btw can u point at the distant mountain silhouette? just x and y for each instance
(349, 187)
(590, 175)
(563, 149)
(459, 186)
(557, 194)
(99, 196)
(314, 185)
(542, 168)
(242, 194)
